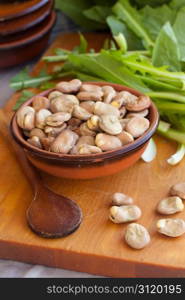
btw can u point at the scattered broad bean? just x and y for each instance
(171, 227)
(121, 199)
(137, 236)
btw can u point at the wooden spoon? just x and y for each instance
(49, 214)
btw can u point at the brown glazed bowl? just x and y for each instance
(27, 47)
(25, 22)
(14, 9)
(87, 166)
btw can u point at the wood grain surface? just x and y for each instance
(98, 246)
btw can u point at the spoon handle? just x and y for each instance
(30, 172)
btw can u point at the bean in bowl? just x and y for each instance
(78, 118)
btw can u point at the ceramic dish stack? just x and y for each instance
(25, 27)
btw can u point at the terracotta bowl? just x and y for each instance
(14, 9)
(26, 47)
(87, 166)
(25, 34)
(25, 22)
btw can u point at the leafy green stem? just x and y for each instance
(172, 134)
(168, 96)
(30, 82)
(152, 70)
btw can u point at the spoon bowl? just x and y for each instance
(51, 215)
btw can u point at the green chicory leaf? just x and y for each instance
(107, 67)
(23, 80)
(153, 3)
(156, 84)
(178, 27)
(145, 67)
(60, 51)
(176, 120)
(82, 47)
(74, 9)
(154, 18)
(117, 26)
(177, 4)
(166, 50)
(86, 77)
(125, 12)
(121, 42)
(98, 13)
(47, 85)
(104, 2)
(21, 76)
(168, 95)
(169, 107)
(172, 134)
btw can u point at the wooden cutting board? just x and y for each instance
(97, 247)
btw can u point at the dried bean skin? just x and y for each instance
(81, 113)
(89, 149)
(124, 213)
(178, 189)
(26, 118)
(143, 102)
(46, 142)
(90, 96)
(57, 119)
(121, 199)
(68, 87)
(64, 103)
(126, 98)
(137, 236)
(170, 205)
(107, 142)
(84, 130)
(54, 131)
(74, 123)
(108, 93)
(41, 117)
(137, 126)
(83, 140)
(64, 142)
(142, 113)
(171, 227)
(101, 108)
(125, 137)
(122, 111)
(88, 105)
(123, 122)
(40, 102)
(35, 141)
(37, 132)
(110, 124)
(54, 94)
(93, 123)
(90, 88)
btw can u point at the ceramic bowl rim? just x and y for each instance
(24, 26)
(31, 8)
(25, 41)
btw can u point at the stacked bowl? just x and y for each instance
(25, 27)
